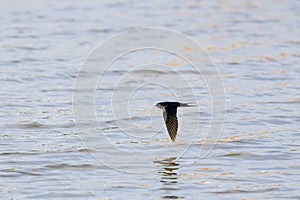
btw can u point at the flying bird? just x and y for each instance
(170, 116)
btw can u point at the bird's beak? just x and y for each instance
(158, 106)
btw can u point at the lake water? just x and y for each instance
(44, 154)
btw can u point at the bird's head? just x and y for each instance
(159, 105)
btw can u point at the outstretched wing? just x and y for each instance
(171, 123)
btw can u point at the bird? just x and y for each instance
(170, 116)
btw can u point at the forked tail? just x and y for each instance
(188, 105)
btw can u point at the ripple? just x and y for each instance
(69, 166)
(245, 191)
(32, 125)
(16, 172)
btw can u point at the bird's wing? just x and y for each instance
(171, 123)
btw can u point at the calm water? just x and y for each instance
(255, 45)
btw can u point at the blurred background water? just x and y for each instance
(255, 45)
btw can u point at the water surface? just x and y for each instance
(255, 45)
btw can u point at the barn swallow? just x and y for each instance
(170, 116)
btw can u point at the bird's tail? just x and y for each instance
(188, 105)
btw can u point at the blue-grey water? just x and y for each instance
(255, 45)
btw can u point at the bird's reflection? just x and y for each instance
(168, 176)
(168, 171)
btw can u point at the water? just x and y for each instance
(256, 48)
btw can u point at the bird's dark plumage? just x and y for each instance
(170, 116)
